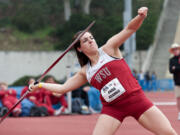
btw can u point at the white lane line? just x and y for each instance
(164, 103)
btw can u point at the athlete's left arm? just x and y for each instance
(113, 44)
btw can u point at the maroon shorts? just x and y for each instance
(134, 105)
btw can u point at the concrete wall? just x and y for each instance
(14, 65)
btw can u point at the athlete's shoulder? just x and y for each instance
(115, 52)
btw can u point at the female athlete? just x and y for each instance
(121, 95)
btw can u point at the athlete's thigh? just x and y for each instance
(106, 125)
(154, 120)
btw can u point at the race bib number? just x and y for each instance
(112, 90)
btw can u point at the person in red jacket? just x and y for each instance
(52, 98)
(8, 98)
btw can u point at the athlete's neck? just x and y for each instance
(94, 58)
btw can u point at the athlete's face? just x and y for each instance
(88, 43)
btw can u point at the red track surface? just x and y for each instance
(84, 124)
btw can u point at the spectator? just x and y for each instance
(9, 99)
(141, 79)
(95, 105)
(147, 81)
(154, 81)
(3, 110)
(54, 98)
(38, 98)
(134, 72)
(27, 103)
(82, 95)
(174, 68)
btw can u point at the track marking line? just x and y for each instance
(164, 103)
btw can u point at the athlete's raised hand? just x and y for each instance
(143, 11)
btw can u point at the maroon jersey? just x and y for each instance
(112, 77)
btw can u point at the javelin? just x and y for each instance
(43, 75)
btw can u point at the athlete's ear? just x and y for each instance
(79, 49)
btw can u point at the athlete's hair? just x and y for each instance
(82, 58)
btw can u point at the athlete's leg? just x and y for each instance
(155, 121)
(106, 125)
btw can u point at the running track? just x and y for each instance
(84, 124)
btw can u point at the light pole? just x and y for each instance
(130, 44)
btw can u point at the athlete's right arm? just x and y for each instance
(72, 83)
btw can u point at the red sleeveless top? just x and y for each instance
(112, 77)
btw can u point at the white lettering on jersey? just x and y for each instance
(102, 74)
(112, 90)
(92, 70)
